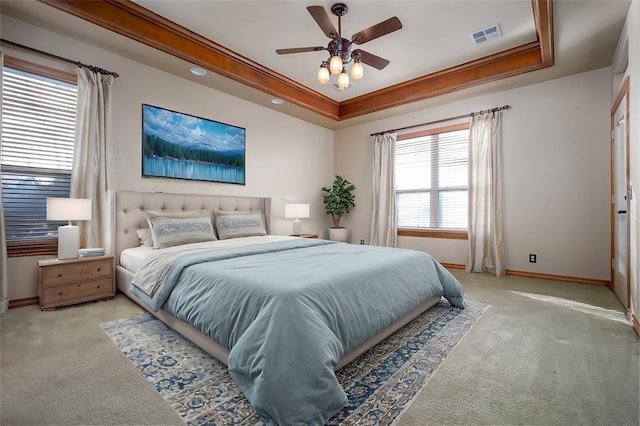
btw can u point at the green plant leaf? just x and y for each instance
(339, 199)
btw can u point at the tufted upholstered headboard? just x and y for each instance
(129, 207)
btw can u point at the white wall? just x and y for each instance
(555, 150)
(287, 158)
(556, 167)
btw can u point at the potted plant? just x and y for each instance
(338, 201)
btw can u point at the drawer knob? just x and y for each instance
(60, 294)
(59, 275)
(98, 286)
(99, 269)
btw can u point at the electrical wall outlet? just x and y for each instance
(533, 258)
(361, 242)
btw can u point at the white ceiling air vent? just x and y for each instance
(485, 34)
(334, 83)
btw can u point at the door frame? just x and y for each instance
(623, 93)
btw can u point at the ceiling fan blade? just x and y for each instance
(378, 30)
(322, 19)
(299, 50)
(370, 59)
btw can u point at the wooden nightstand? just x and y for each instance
(305, 235)
(71, 281)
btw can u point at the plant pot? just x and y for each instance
(339, 234)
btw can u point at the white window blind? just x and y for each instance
(38, 128)
(431, 181)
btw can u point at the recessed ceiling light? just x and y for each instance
(198, 71)
(277, 101)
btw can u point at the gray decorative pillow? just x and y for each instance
(181, 214)
(170, 231)
(235, 224)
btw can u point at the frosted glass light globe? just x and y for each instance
(323, 75)
(335, 64)
(357, 70)
(343, 80)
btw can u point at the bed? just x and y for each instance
(282, 312)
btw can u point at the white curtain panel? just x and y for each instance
(382, 231)
(90, 174)
(486, 243)
(4, 296)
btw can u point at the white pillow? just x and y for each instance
(144, 236)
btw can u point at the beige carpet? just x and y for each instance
(60, 368)
(546, 352)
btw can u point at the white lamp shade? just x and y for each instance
(68, 209)
(69, 235)
(296, 211)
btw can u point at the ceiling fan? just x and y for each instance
(340, 49)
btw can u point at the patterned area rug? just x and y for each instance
(379, 384)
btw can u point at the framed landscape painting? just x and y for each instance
(182, 146)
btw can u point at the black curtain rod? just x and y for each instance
(471, 114)
(60, 58)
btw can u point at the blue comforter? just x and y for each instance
(288, 311)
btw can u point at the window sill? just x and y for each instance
(32, 248)
(433, 233)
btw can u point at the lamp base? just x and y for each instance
(68, 242)
(297, 227)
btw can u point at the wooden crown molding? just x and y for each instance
(131, 20)
(508, 63)
(543, 18)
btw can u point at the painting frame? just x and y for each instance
(178, 145)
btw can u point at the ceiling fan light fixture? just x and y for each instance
(323, 73)
(343, 80)
(335, 64)
(357, 70)
(340, 50)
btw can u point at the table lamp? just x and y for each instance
(296, 211)
(68, 235)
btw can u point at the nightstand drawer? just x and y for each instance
(77, 292)
(74, 272)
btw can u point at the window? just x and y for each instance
(431, 182)
(38, 128)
